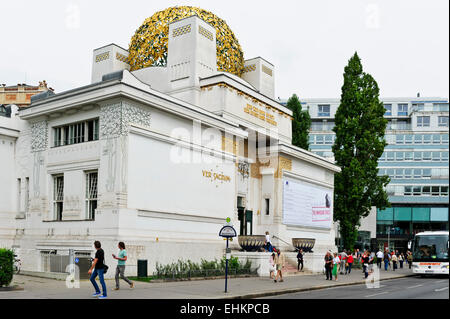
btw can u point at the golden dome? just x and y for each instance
(148, 45)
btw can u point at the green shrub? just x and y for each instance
(6, 266)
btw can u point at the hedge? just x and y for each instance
(6, 266)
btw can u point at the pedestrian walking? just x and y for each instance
(401, 259)
(300, 260)
(343, 258)
(349, 264)
(410, 259)
(387, 259)
(268, 243)
(272, 267)
(328, 265)
(394, 261)
(336, 262)
(279, 261)
(98, 268)
(372, 257)
(120, 269)
(365, 262)
(380, 256)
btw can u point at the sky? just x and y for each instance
(403, 44)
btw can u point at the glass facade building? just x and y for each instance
(415, 159)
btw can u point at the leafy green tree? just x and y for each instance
(359, 143)
(300, 124)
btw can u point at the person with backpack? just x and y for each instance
(99, 268)
(120, 269)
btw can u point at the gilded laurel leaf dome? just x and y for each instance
(148, 45)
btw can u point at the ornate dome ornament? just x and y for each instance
(148, 46)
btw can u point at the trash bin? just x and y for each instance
(142, 268)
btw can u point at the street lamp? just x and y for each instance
(389, 236)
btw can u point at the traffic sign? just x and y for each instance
(227, 232)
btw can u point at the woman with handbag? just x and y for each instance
(99, 267)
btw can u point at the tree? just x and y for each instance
(300, 124)
(359, 128)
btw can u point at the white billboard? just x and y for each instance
(306, 204)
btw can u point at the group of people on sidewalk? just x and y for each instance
(99, 268)
(342, 263)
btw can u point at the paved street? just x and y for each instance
(402, 288)
(254, 287)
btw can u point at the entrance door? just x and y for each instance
(245, 218)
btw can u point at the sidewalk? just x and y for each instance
(202, 289)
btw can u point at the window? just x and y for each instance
(444, 157)
(436, 156)
(426, 190)
(319, 139)
(435, 190)
(417, 139)
(417, 190)
(390, 172)
(402, 110)
(408, 156)
(408, 173)
(443, 121)
(444, 190)
(417, 156)
(426, 156)
(400, 139)
(419, 106)
(426, 172)
(58, 196)
(267, 206)
(436, 139)
(27, 193)
(19, 194)
(390, 156)
(399, 156)
(329, 139)
(444, 138)
(382, 157)
(91, 194)
(417, 173)
(76, 133)
(324, 110)
(408, 139)
(423, 121)
(399, 173)
(381, 172)
(427, 139)
(311, 139)
(388, 108)
(408, 191)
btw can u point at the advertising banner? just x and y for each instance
(306, 204)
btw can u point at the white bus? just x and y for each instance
(430, 252)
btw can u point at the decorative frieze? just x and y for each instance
(116, 118)
(181, 30)
(39, 136)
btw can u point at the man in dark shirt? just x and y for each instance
(365, 261)
(328, 265)
(99, 267)
(300, 259)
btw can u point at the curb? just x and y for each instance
(11, 288)
(294, 290)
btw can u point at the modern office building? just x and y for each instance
(416, 160)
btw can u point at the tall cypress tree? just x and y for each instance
(359, 143)
(300, 124)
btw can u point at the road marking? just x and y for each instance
(377, 294)
(441, 281)
(442, 289)
(415, 286)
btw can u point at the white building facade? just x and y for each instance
(159, 158)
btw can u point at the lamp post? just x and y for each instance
(389, 236)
